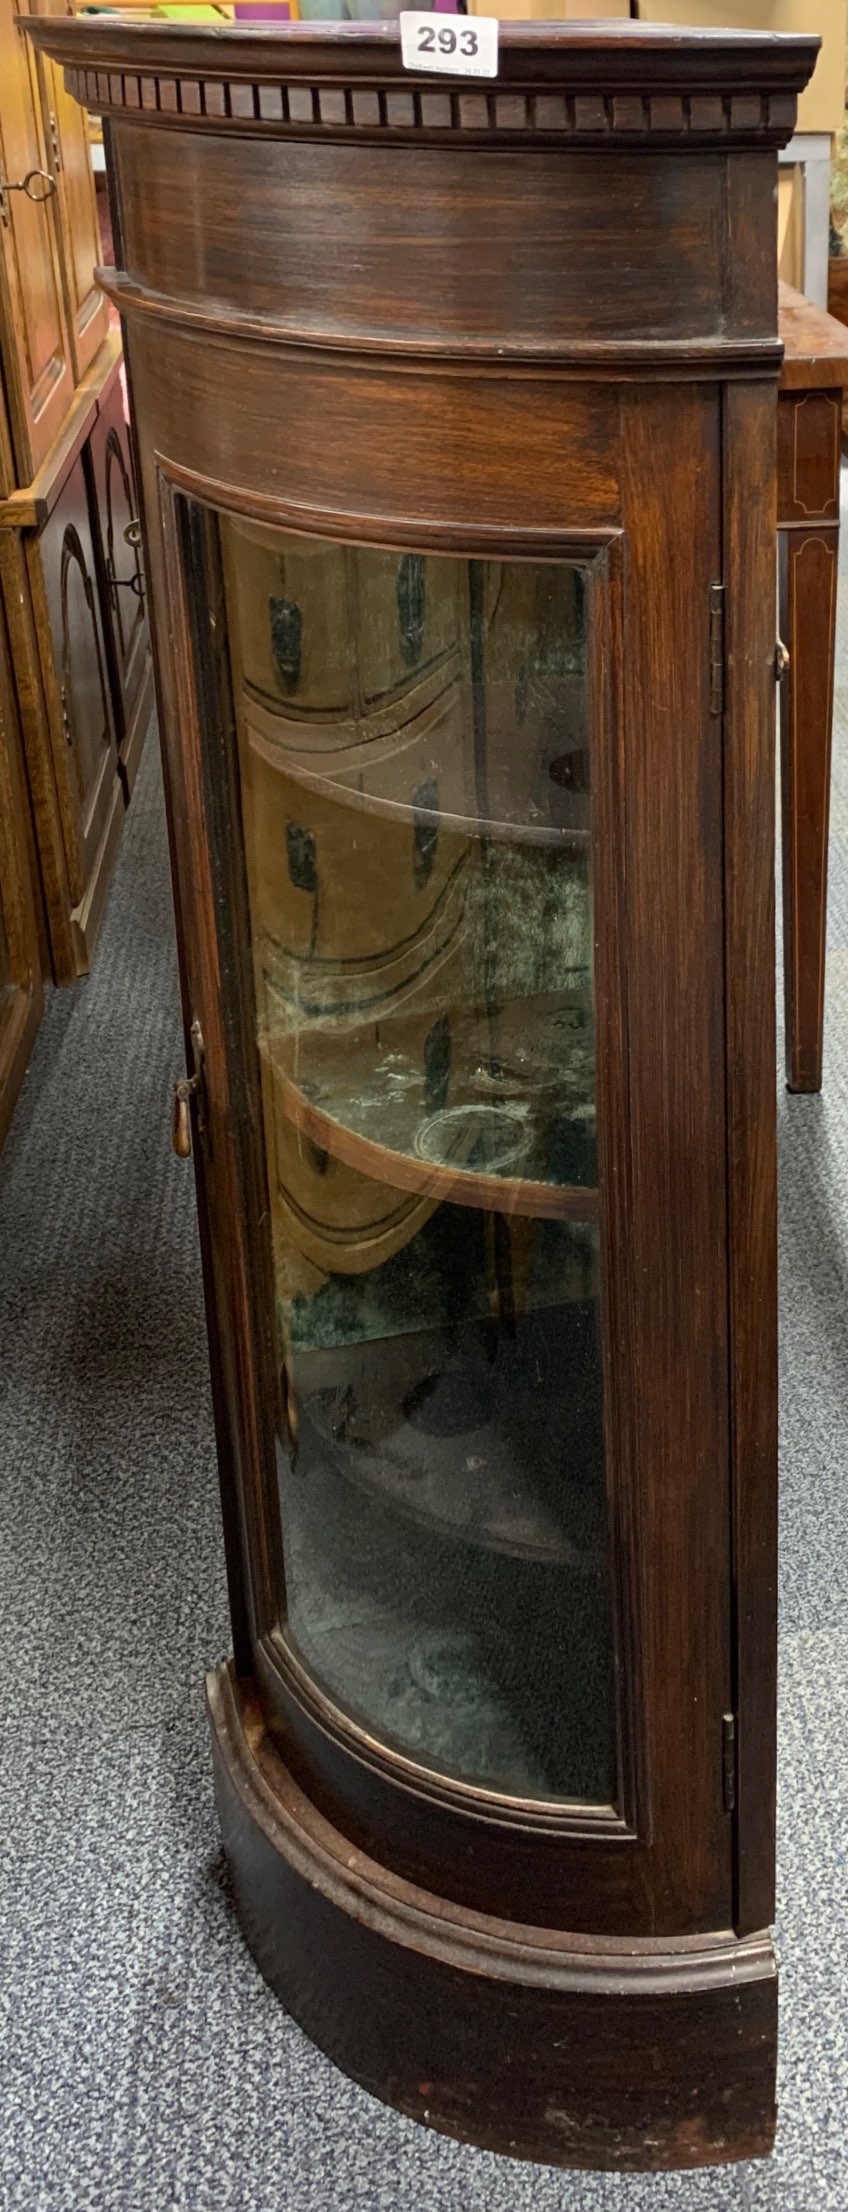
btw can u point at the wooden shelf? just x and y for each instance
(443, 1182)
(464, 825)
(379, 754)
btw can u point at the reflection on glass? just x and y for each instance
(414, 757)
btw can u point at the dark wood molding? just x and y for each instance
(352, 524)
(280, 1668)
(675, 359)
(342, 111)
(572, 1961)
(531, 2025)
(556, 83)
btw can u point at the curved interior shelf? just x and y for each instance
(477, 824)
(444, 1180)
(358, 723)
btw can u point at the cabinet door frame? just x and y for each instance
(602, 1885)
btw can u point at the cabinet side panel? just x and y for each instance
(673, 859)
(749, 522)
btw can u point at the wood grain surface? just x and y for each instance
(503, 348)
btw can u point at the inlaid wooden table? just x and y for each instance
(813, 379)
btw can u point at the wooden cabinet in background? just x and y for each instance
(65, 131)
(64, 602)
(35, 348)
(20, 957)
(80, 657)
(75, 678)
(109, 468)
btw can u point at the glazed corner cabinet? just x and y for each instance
(456, 412)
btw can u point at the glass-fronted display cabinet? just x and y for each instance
(455, 411)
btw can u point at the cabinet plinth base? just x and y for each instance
(564, 2049)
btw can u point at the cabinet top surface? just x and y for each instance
(622, 55)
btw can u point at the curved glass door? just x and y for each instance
(415, 768)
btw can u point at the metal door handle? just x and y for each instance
(186, 1088)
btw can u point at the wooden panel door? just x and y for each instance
(34, 341)
(63, 582)
(21, 996)
(65, 126)
(114, 504)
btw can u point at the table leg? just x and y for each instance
(808, 571)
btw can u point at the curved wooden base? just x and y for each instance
(566, 2049)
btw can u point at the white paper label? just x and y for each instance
(456, 45)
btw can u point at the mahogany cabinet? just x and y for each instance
(53, 318)
(20, 952)
(456, 412)
(66, 139)
(110, 475)
(72, 581)
(35, 343)
(76, 657)
(64, 605)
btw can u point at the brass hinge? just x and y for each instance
(55, 141)
(716, 648)
(728, 1761)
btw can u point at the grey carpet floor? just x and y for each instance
(144, 2066)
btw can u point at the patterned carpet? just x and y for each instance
(144, 2067)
